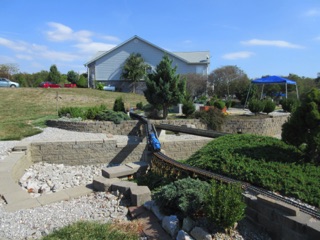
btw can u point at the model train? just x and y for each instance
(151, 133)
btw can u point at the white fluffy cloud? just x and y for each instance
(61, 33)
(93, 47)
(237, 55)
(274, 43)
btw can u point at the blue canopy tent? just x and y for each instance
(272, 80)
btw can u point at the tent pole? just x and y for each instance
(247, 96)
(297, 92)
(262, 91)
(286, 90)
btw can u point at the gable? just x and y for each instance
(108, 65)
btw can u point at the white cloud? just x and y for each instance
(274, 43)
(312, 12)
(111, 38)
(61, 33)
(24, 57)
(94, 47)
(16, 46)
(237, 55)
(6, 59)
(30, 51)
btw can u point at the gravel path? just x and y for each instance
(37, 222)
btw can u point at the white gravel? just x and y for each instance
(37, 222)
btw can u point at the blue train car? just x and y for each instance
(154, 142)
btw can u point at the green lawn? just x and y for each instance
(22, 109)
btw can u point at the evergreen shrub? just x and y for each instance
(289, 104)
(255, 106)
(214, 118)
(263, 161)
(269, 106)
(224, 204)
(109, 115)
(184, 197)
(118, 105)
(72, 112)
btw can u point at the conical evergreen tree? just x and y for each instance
(164, 87)
(134, 69)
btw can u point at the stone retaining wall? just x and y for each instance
(281, 220)
(130, 127)
(265, 127)
(106, 151)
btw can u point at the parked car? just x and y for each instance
(49, 85)
(7, 83)
(70, 85)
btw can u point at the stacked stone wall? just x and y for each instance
(106, 151)
(131, 127)
(280, 220)
(266, 127)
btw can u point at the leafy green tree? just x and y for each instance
(164, 87)
(83, 81)
(303, 126)
(54, 74)
(134, 69)
(228, 80)
(7, 70)
(72, 76)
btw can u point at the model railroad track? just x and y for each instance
(188, 130)
(159, 157)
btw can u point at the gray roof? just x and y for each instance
(194, 57)
(189, 57)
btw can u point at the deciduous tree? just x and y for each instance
(54, 74)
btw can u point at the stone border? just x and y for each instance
(12, 168)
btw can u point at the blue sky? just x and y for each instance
(274, 37)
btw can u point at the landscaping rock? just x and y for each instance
(171, 225)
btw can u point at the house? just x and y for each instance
(106, 67)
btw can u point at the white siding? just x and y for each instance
(109, 67)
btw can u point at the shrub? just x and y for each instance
(229, 103)
(188, 107)
(263, 161)
(139, 105)
(219, 104)
(214, 118)
(184, 197)
(224, 204)
(289, 105)
(256, 106)
(269, 106)
(109, 115)
(118, 105)
(82, 82)
(72, 112)
(93, 111)
(99, 86)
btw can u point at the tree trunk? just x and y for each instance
(165, 111)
